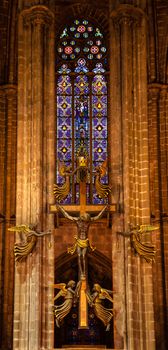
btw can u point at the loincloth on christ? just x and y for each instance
(81, 243)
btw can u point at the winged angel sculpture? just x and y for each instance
(102, 190)
(21, 250)
(95, 300)
(62, 191)
(70, 294)
(135, 233)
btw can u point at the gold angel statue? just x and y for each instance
(135, 233)
(21, 250)
(102, 190)
(95, 300)
(70, 294)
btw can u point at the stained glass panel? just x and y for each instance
(81, 85)
(99, 150)
(64, 85)
(82, 102)
(99, 86)
(64, 149)
(82, 122)
(99, 105)
(64, 104)
(99, 127)
(74, 39)
(64, 128)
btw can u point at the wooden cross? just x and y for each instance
(83, 208)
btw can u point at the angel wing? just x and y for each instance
(62, 191)
(21, 228)
(105, 294)
(146, 228)
(21, 250)
(62, 292)
(144, 250)
(102, 190)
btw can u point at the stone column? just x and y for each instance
(156, 210)
(120, 116)
(129, 26)
(33, 319)
(8, 94)
(163, 176)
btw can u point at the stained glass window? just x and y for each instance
(81, 102)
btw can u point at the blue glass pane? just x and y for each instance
(99, 150)
(64, 128)
(64, 85)
(64, 150)
(99, 105)
(81, 85)
(99, 127)
(64, 106)
(81, 121)
(99, 85)
(97, 199)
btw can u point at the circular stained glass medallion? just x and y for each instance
(94, 49)
(77, 35)
(99, 56)
(81, 62)
(81, 29)
(90, 56)
(86, 49)
(68, 50)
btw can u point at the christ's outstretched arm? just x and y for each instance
(66, 215)
(97, 217)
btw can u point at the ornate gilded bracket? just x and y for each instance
(135, 233)
(23, 249)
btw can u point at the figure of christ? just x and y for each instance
(82, 243)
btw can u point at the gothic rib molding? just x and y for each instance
(128, 13)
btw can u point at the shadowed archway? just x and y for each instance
(99, 271)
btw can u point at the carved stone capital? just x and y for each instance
(127, 15)
(37, 15)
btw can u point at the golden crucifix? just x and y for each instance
(83, 221)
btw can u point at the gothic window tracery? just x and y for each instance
(81, 104)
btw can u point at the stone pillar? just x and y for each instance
(8, 96)
(33, 318)
(130, 107)
(155, 136)
(163, 191)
